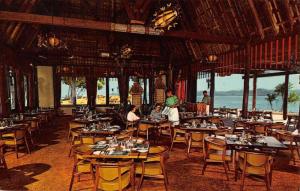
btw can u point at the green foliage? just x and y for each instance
(293, 97)
(100, 83)
(279, 89)
(270, 98)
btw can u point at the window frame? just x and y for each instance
(107, 86)
(11, 75)
(26, 94)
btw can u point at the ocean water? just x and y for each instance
(261, 103)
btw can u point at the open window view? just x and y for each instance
(73, 91)
(150, 95)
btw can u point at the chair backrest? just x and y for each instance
(110, 172)
(254, 159)
(197, 136)
(278, 125)
(217, 121)
(260, 129)
(87, 139)
(214, 144)
(73, 124)
(143, 127)
(268, 115)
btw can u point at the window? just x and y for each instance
(201, 86)
(12, 90)
(108, 91)
(25, 81)
(114, 94)
(73, 91)
(101, 91)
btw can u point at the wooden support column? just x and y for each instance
(212, 91)
(246, 84)
(3, 92)
(254, 93)
(285, 96)
(191, 87)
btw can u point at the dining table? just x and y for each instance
(113, 151)
(200, 129)
(197, 117)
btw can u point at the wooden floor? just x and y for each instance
(48, 167)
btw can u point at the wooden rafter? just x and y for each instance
(257, 20)
(109, 26)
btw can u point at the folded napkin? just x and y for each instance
(296, 132)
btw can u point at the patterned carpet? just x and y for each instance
(48, 167)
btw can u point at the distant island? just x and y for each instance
(260, 92)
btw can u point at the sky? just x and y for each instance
(235, 82)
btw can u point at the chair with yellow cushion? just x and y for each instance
(81, 166)
(143, 129)
(114, 176)
(74, 125)
(179, 136)
(165, 129)
(195, 140)
(154, 166)
(2, 158)
(17, 138)
(33, 127)
(259, 164)
(75, 132)
(214, 151)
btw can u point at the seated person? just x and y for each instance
(131, 116)
(156, 112)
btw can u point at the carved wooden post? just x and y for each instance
(285, 96)
(212, 91)
(246, 84)
(254, 92)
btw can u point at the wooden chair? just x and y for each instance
(271, 130)
(114, 176)
(154, 166)
(81, 166)
(2, 158)
(165, 129)
(33, 128)
(143, 129)
(195, 140)
(73, 125)
(179, 136)
(217, 121)
(260, 129)
(292, 143)
(255, 164)
(238, 127)
(126, 134)
(18, 138)
(214, 151)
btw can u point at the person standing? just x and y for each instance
(206, 100)
(171, 108)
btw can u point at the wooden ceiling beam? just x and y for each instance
(257, 20)
(114, 27)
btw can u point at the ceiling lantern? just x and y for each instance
(212, 58)
(166, 17)
(50, 41)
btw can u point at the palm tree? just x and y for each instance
(270, 98)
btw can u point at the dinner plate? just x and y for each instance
(142, 150)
